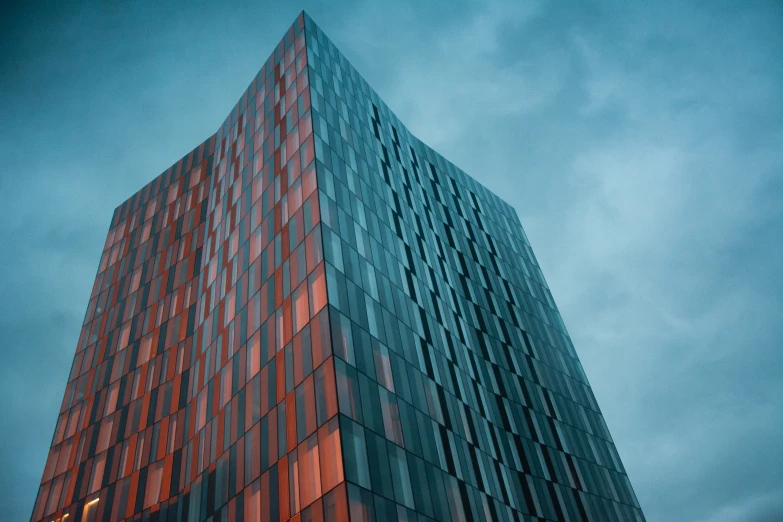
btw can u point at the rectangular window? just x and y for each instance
(302, 307)
(326, 404)
(348, 396)
(316, 283)
(154, 478)
(310, 479)
(355, 452)
(400, 477)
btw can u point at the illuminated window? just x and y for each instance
(90, 510)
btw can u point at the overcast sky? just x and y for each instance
(641, 144)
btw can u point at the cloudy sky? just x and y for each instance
(640, 142)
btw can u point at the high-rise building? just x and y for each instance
(314, 316)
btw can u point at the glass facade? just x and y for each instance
(313, 316)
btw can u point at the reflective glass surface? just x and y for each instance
(314, 316)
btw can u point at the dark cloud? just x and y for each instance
(641, 145)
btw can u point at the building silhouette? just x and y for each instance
(315, 316)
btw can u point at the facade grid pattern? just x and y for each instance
(313, 316)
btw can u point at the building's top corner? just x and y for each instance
(306, 18)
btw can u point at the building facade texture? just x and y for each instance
(314, 316)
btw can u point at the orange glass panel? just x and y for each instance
(301, 314)
(317, 285)
(310, 476)
(154, 478)
(330, 454)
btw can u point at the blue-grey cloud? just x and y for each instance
(642, 146)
